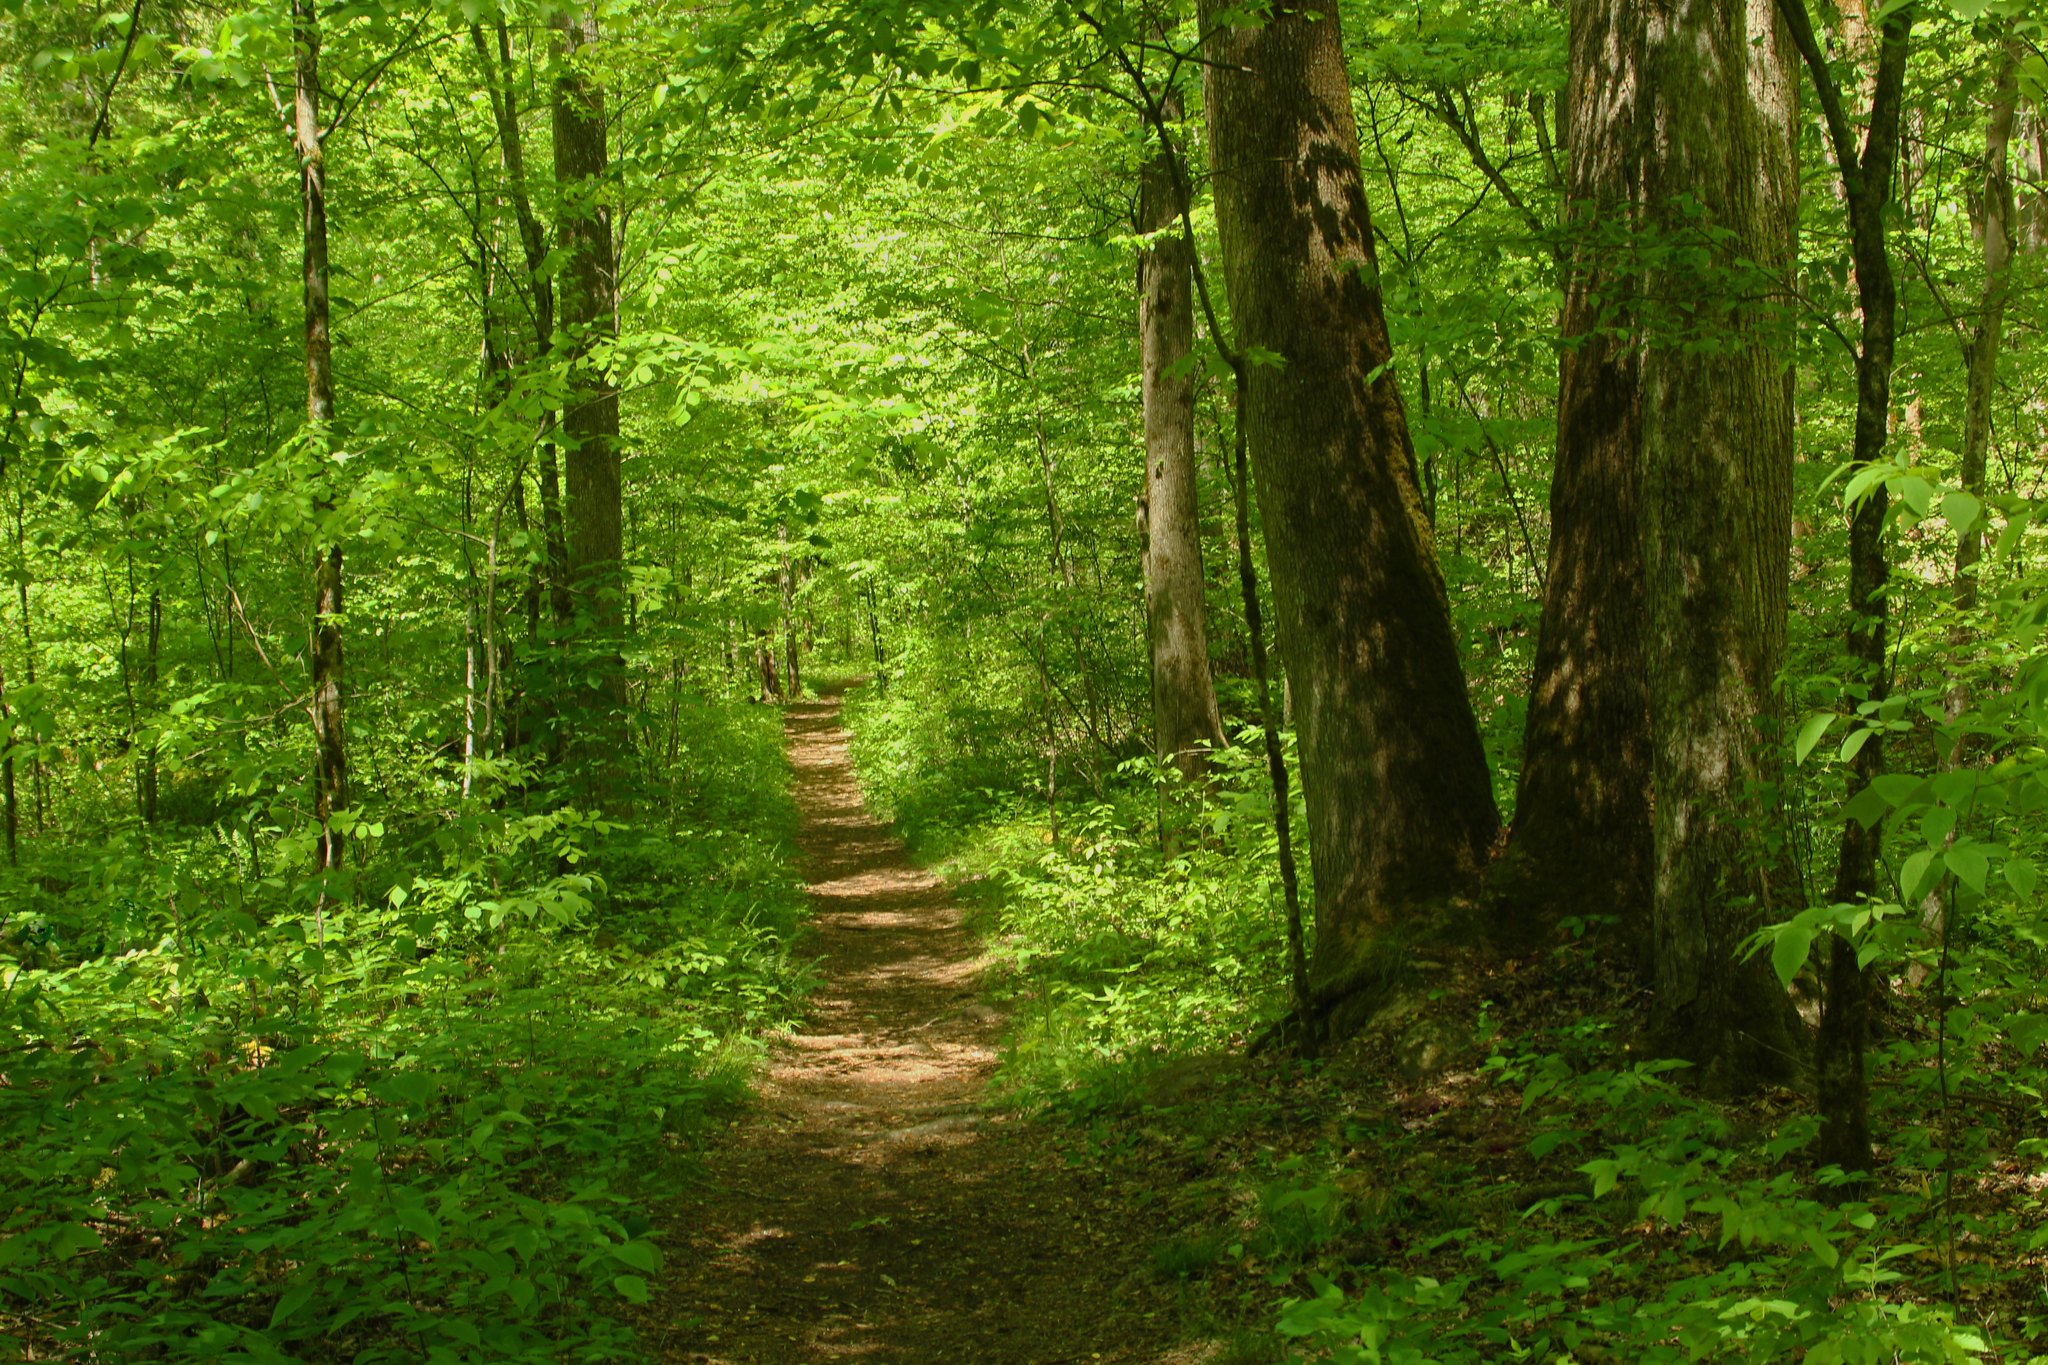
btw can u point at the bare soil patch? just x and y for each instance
(869, 1207)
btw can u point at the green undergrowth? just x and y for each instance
(1551, 1195)
(1150, 929)
(418, 1123)
(1553, 1205)
(1494, 1171)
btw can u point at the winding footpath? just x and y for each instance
(867, 1208)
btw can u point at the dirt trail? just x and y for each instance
(868, 1209)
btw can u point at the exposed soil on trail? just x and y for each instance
(868, 1208)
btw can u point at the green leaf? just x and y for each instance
(290, 1302)
(631, 1288)
(2020, 875)
(1810, 733)
(1917, 877)
(639, 1255)
(1898, 789)
(1853, 742)
(1606, 1175)
(73, 1238)
(1917, 494)
(1970, 865)
(1961, 510)
(1789, 952)
(1866, 808)
(420, 1224)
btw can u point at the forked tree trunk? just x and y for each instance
(1400, 805)
(1720, 192)
(1581, 838)
(1185, 721)
(590, 414)
(533, 245)
(330, 756)
(1866, 180)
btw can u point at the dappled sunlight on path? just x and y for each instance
(869, 1209)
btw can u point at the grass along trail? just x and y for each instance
(868, 1208)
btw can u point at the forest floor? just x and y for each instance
(869, 1206)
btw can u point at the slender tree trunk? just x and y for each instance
(38, 782)
(1995, 218)
(1721, 199)
(785, 593)
(1999, 235)
(2032, 208)
(1400, 805)
(1185, 721)
(533, 244)
(13, 811)
(1581, 834)
(1866, 180)
(764, 657)
(875, 637)
(587, 300)
(152, 643)
(330, 761)
(554, 539)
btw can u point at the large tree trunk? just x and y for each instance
(1866, 179)
(1185, 721)
(590, 416)
(330, 756)
(1581, 834)
(1400, 805)
(1721, 197)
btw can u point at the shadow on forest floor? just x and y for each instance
(868, 1208)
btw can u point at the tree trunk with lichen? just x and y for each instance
(1185, 721)
(1720, 197)
(586, 298)
(330, 754)
(1581, 839)
(1400, 804)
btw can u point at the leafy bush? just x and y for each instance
(235, 1126)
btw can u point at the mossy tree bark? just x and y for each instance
(1720, 193)
(1581, 840)
(587, 294)
(1400, 805)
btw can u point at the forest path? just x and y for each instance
(868, 1209)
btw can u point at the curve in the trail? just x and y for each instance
(868, 1208)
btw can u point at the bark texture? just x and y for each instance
(1400, 806)
(330, 753)
(540, 294)
(1721, 196)
(1184, 716)
(1866, 178)
(1582, 835)
(587, 300)
(1998, 231)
